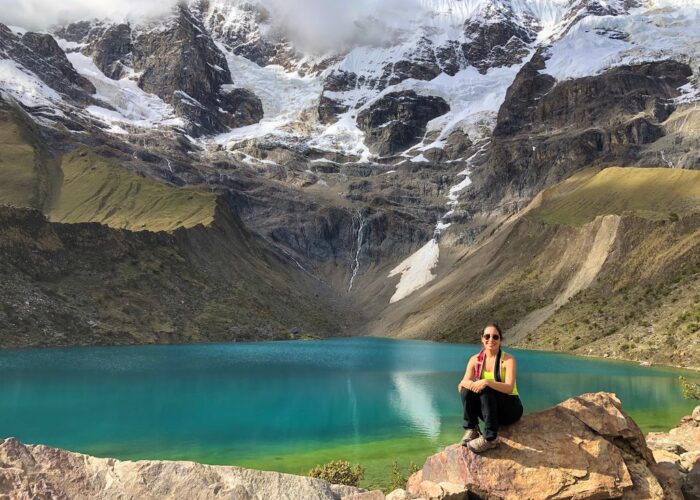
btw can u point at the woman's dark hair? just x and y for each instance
(493, 325)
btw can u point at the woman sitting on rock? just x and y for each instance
(489, 392)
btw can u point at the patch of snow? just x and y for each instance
(25, 86)
(285, 97)
(416, 270)
(133, 106)
(660, 29)
(454, 190)
(419, 158)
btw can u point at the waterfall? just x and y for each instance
(360, 233)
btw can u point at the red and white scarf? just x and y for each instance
(480, 360)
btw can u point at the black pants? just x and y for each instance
(493, 407)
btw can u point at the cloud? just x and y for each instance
(310, 24)
(41, 14)
(319, 24)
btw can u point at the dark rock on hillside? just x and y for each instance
(547, 130)
(329, 109)
(336, 81)
(340, 81)
(450, 57)
(111, 49)
(420, 64)
(500, 41)
(243, 106)
(523, 95)
(41, 54)
(398, 120)
(75, 32)
(595, 100)
(45, 46)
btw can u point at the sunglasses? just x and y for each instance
(489, 337)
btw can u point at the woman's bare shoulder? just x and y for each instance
(508, 357)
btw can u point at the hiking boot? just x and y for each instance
(480, 445)
(469, 435)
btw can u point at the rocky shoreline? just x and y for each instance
(584, 447)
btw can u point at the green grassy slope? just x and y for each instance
(29, 176)
(97, 189)
(650, 193)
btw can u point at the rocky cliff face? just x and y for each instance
(546, 130)
(182, 65)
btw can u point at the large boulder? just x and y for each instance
(585, 447)
(28, 471)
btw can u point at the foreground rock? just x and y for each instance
(678, 453)
(585, 447)
(40, 472)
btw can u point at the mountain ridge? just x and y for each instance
(402, 152)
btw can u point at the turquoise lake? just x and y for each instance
(287, 406)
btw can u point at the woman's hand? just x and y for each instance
(479, 386)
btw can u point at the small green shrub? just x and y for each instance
(397, 479)
(339, 472)
(690, 390)
(412, 468)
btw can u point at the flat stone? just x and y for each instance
(367, 495)
(398, 494)
(666, 457)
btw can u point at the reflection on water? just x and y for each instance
(413, 400)
(228, 403)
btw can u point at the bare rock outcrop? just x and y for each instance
(585, 447)
(28, 471)
(398, 120)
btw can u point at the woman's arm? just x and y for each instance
(466, 381)
(507, 386)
